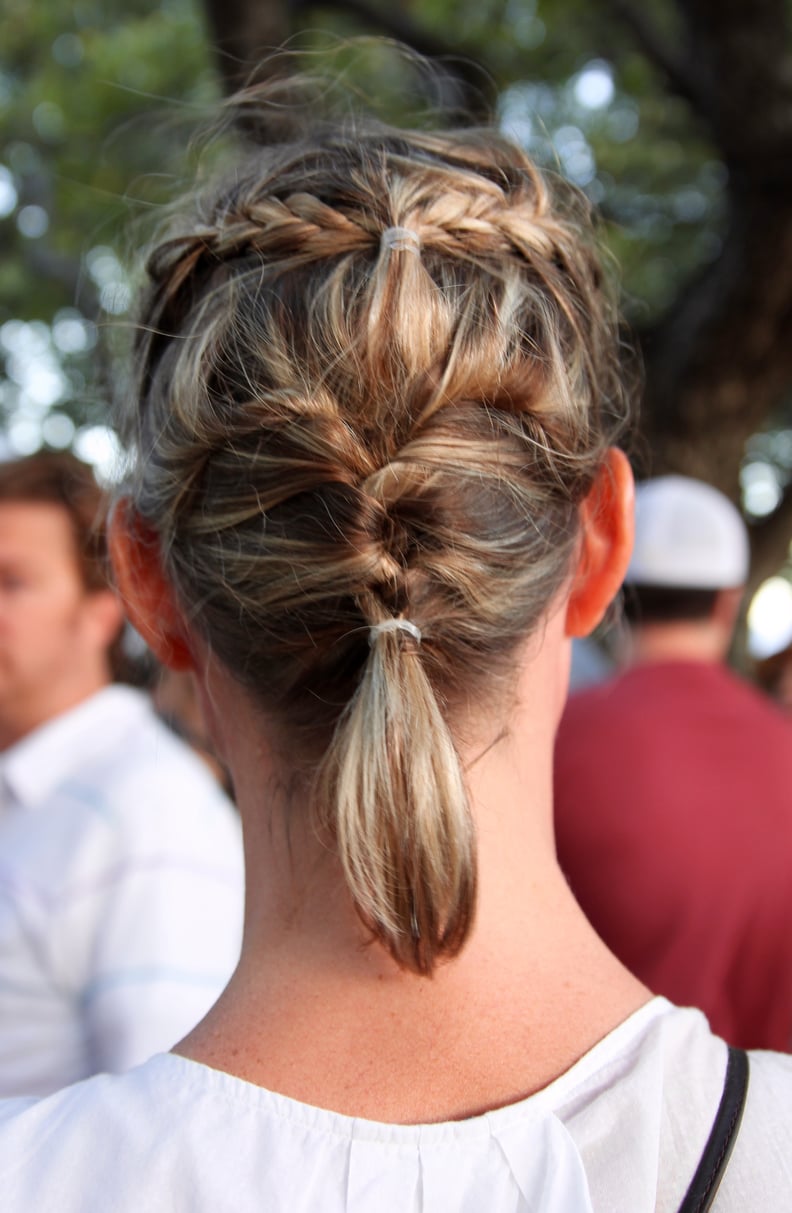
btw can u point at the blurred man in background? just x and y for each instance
(674, 782)
(120, 859)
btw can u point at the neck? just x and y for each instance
(297, 902)
(298, 907)
(23, 718)
(317, 1011)
(699, 640)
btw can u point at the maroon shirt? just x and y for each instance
(673, 795)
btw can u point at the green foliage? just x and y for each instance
(637, 150)
(92, 134)
(92, 96)
(638, 153)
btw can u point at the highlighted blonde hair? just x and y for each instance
(333, 430)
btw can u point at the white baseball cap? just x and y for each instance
(687, 535)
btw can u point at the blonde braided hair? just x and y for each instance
(333, 431)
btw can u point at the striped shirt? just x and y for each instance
(121, 893)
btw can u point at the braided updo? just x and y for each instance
(338, 426)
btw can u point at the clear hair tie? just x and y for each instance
(400, 239)
(395, 625)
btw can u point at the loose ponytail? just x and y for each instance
(393, 782)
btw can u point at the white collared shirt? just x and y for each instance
(121, 893)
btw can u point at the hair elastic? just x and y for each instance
(395, 625)
(400, 239)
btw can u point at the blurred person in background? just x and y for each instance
(120, 859)
(673, 782)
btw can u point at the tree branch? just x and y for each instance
(742, 61)
(473, 90)
(721, 359)
(678, 71)
(246, 36)
(390, 22)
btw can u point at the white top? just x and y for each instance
(121, 893)
(621, 1132)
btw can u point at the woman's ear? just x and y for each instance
(146, 594)
(607, 530)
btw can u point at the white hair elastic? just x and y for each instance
(400, 239)
(395, 625)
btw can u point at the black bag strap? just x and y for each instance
(714, 1160)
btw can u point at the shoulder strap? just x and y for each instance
(704, 1184)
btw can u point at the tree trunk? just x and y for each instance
(719, 365)
(245, 35)
(721, 362)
